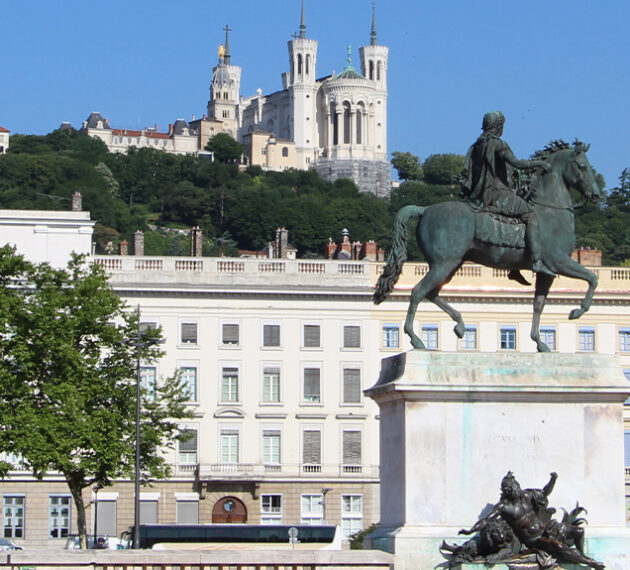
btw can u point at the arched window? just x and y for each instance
(285, 151)
(346, 123)
(378, 71)
(308, 64)
(334, 124)
(371, 72)
(270, 126)
(359, 121)
(299, 64)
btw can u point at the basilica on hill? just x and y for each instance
(335, 124)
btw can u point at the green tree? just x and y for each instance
(225, 148)
(68, 378)
(442, 168)
(407, 165)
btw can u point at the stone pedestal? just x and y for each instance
(453, 424)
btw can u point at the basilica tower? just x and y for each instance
(225, 90)
(302, 87)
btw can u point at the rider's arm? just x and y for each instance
(507, 154)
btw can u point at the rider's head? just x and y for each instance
(510, 488)
(493, 123)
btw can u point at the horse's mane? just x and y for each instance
(552, 147)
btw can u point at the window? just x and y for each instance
(285, 151)
(58, 516)
(469, 340)
(624, 340)
(148, 511)
(351, 514)
(189, 333)
(312, 392)
(312, 511)
(391, 336)
(189, 382)
(312, 336)
(508, 338)
(351, 386)
(229, 385)
(352, 336)
(626, 373)
(430, 336)
(230, 334)
(106, 517)
(548, 336)
(13, 517)
(312, 450)
(271, 384)
(187, 512)
(626, 449)
(271, 447)
(147, 381)
(351, 450)
(271, 509)
(229, 445)
(188, 447)
(271, 335)
(586, 339)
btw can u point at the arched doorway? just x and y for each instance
(229, 510)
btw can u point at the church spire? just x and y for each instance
(226, 55)
(373, 33)
(302, 24)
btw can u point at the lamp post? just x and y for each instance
(96, 489)
(136, 505)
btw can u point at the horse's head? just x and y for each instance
(579, 174)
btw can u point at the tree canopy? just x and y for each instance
(68, 378)
(225, 148)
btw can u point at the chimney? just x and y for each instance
(77, 201)
(590, 257)
(331, 247)
(345, 247)
(282, 240)
(370, 250)
(138, 243)
(380, 254)
(196, 241)
(123, 247)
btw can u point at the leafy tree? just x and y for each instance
(442, 168)
(68, 378)
(407, 165)
(225, 149)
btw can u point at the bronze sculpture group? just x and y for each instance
(521, 527)
(506, 221)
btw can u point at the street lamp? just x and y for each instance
(325, 490)
(96, 489)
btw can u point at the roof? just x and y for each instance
(348, 73)
(93, 120)
(221, 75)
(148, 134)
(3, 130)
(180, 125)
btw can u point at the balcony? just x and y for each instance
(255, 471)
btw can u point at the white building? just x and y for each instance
(336, 124)
(276, 353)
(4, 140)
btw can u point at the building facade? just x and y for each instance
(5, 134)
(336, 124)
(276, 354)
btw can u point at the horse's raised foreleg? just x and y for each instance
(459, 328)
(570, 268)
(431, 284)
(543, 284)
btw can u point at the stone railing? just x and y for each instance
(303, 470)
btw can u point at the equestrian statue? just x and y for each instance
(516, 214)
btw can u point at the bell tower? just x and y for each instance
(225, 89)
(302, 88)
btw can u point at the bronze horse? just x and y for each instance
(446, 236)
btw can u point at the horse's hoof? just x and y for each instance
(459, 329)
(542, 347)
(417, 343)
(575, 314)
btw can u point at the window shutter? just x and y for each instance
(271, 335)
(311, 450)
(311, 336)
(351, 336)
(352, 448)
(311, 384)
(187, 512)
(189, 333)
(230, 334)
(351, 386)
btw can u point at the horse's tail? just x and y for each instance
(397, 254)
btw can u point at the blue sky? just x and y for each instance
(557, 69)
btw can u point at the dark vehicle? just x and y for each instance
(237, 536)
